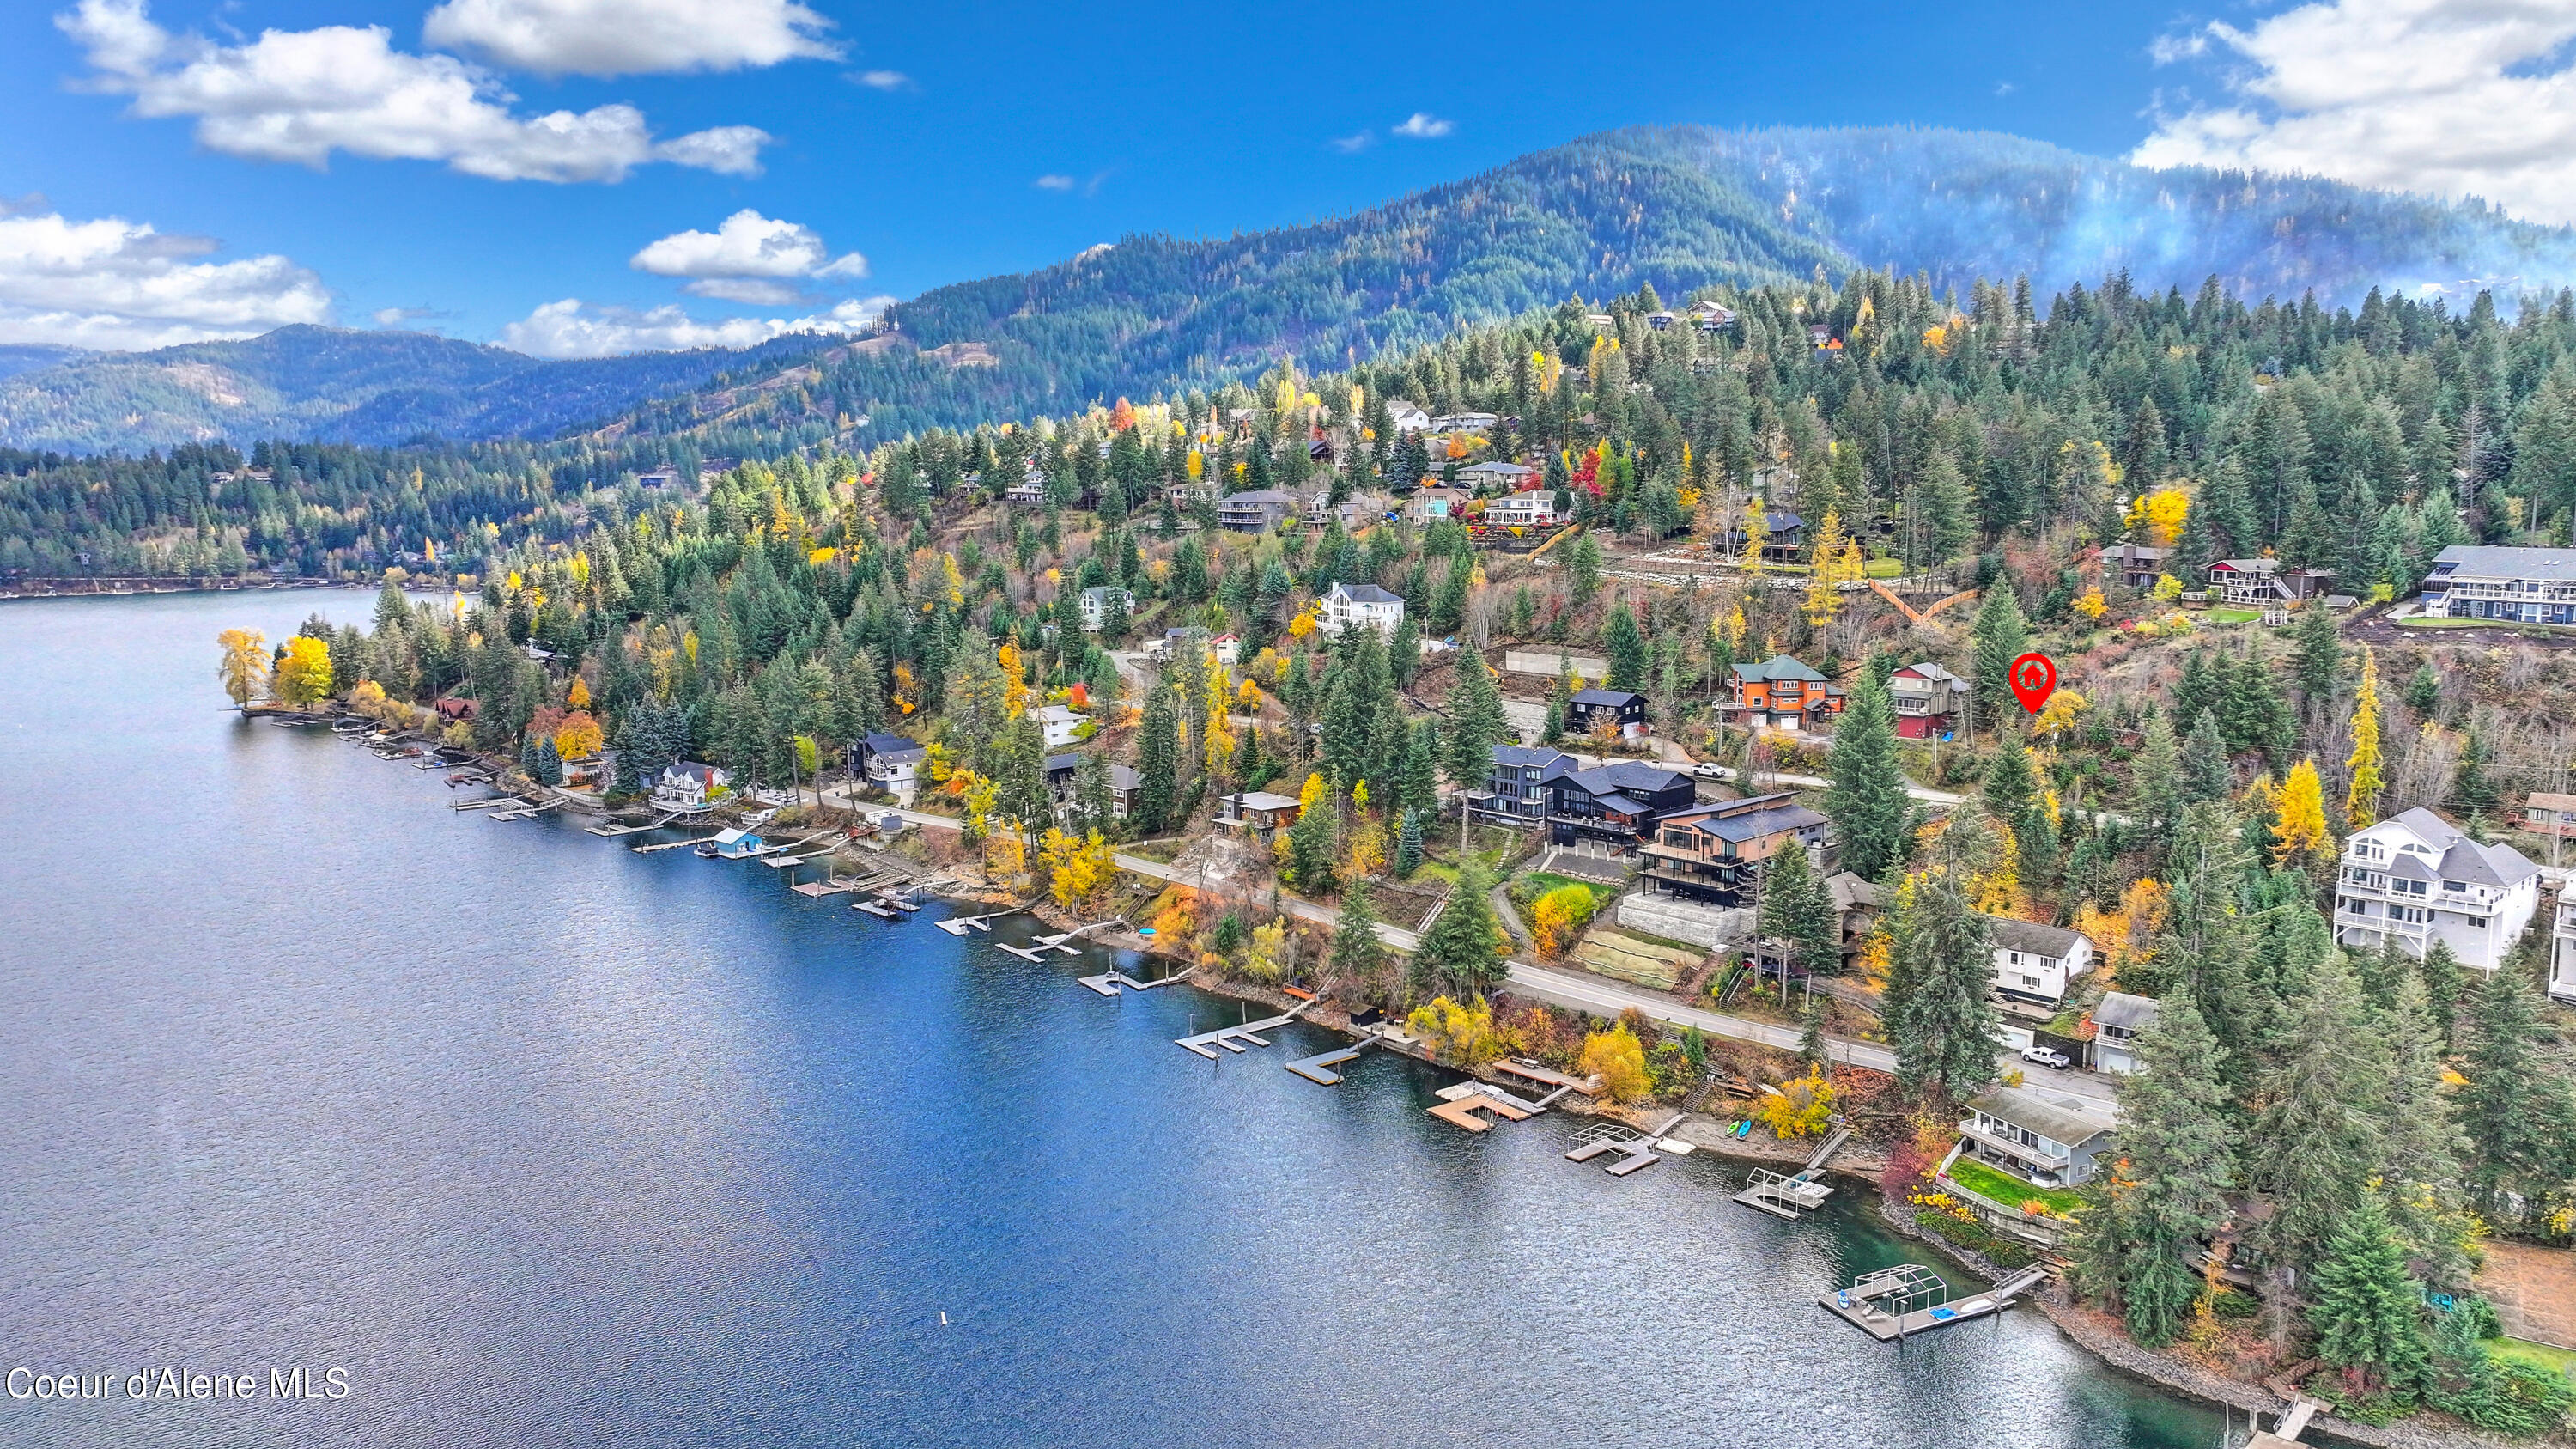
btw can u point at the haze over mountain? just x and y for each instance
(1681, 209)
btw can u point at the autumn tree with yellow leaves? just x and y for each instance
(2361, 802)
(244, 668)
(304, 673)
(2299, 818)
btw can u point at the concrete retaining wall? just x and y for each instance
(1680, 920)
(1542, 662)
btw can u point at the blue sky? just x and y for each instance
(918, 136)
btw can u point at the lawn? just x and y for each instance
(2232, 616)
(2423, 623)
(2558, 1359)
(2011, 1191)
(1528, 888)
(1884, 568)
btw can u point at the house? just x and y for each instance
(2043, 1137)
(1860, 903)
(1784, 694)
(1407, 417)
(1465, 422)
(1783, 537)
(1716, 853)
(657, 478)
(1095, 605)
(1601, 321)
(1660, 321)
(1257, 811)
(1353, 512)
(2034, 963)
(2415, 880)
(1257, 510)
(2116, 1024)
(2139, 565)
(2547, 814)
(2531, 585)
(2562, 953)
(1228, 648)
(1515, 790)
(1498, 475)
(1062, 772)
(1429, 504)
(1616, 804)
(1060, 724)
(591, 772)
(1185, 496)
(1365, 606)
(888, 762)
(454, 710)
(1029, 492)
(1533, 509)
(1622, 711)
(687, 785)
(1928, 699)
(2263, 582)
(1712, 317)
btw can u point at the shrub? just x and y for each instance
(1619, 1060)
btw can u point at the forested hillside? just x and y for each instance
(327, 384)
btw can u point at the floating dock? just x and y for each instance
(1233, 1038)
(1108, 982)
(1899, 1302)
(485, 803)
(664, 845)
(1548, 1077)
(1789, 1197)
(1318, 1068)
(1461, 1103)
(960, 925)
(873, 909)
(1636, 1149)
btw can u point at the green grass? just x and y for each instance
(1541, 882)
(2557, 1360)
(1884, 568)
(2011, 1191)
(2232, 616)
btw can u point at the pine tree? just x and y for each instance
(1871, 813)
(1811, 1034)
(1311, 838)
(2507, 1108)
(1559, 701)
(2156, 786)
(2424, 1144)
(1408, 846)
(2472, 791)
(1158, 754)
(1462, 949)
(1797, 908)
(2002, 635)
(2320, 1125)
(1420, 783)
(2179, 1147)
(2012, 798)
(2368, 1308)
(1476, 722)
(1944, 1028)
(1626, 645)
(2320, 657)
(2207, 771)
(1358, 954)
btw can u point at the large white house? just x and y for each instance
(1362, 605)
(2562, 953)
(1533, 509)
(2034, 963)
(2416, 880)
(2531, 585)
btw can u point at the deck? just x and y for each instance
(1548, 1076)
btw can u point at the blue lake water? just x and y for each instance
(544, 1142)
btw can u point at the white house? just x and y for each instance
(2034, 963)
(889, 762)
(1346, 605)
(2416, 880)
(2532, 585)
(1408, 418)
(2562, 953)
(1095, 604)
(1534, 509)
(1465, 422)
(687, 785)
(1059, 722)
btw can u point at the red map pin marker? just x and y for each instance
(2033, 678)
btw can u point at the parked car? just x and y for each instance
(2049, 1057)
(1708, 770)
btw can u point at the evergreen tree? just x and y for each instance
(1420, 788)
(2179, 1151)
(1559, 701)
(1093, 802)
(1358, 955)
(1311, 839)
(1158, 755)
(2320, 657)
(1408, 846)
(1798, 909)
(2368, 1307)
(2012, 798)
(2512, 1102)
(1626, 644)
(1462, 951)
(2473, 793)
(1944, 1028)
(2207, 772)
(2361, 800)
(1871, 813)
(2424, 1145)
(2320, 1124)
(2001, 635)
(1476, 722)
(2156, 786)
(2440, 973)
(547, 763)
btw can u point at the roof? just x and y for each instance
(2011, 933)
(2122, 1010)
(1124, 777)
(1366, 594)
(2462, 858)
(889, 744)
(1622, 776)
(1754, 825)
(1624, 804)
(1264, 800)
(2483, 560)
(2546, 801)
(1620, 698)
(2053, 1115)
(1851, 890)
(1102, 591)
(1496, 466)
(1927, 670)
(1257, 496)
(2246, 565)
(1778, 666)
(1526, 755)
(1071, 761)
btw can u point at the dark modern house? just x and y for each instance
(1515, 790)
(1616, 804)
(1715, 853)
(1590, 709)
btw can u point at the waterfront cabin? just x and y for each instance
(2045, 1138)
(687, 785)
(888, 762)
(1124, 783)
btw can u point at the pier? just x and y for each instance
(1636, 1148)
(873, 909)
(1232, 1038)
(1895, 1303)
(665, 845)
(1548, 1077)
(960, 925)
(1108, 982)
(1319, 1067)
(611, 832)
(1793, 1196)
(1467, 1099)
(1060, 941)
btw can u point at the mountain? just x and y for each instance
(16, 358)
(1682, 209)
(327, 384)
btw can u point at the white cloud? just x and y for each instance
(2175, 49)
(2449, 97)
(116, 284)
(399, 316)
(1423, 126)
(300, 95)
(1053, 183)
(747, 244)
(1348, 144)
(630, 37)
(568, 329)
(884, 80)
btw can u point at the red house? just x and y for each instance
(1928, 699)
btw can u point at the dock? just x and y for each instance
(1469, 1098)
(1108, 982)
(1792, 1196)
(1896, 1303)
(817, 889)
(486, 803)
(1548, 1077)
(1636, 1149)
(1233, 1038)
(611, 832)
(663, 845)
(960, 925)
(873, 909)
(1319, 1067)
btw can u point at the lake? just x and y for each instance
(543, 1142)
